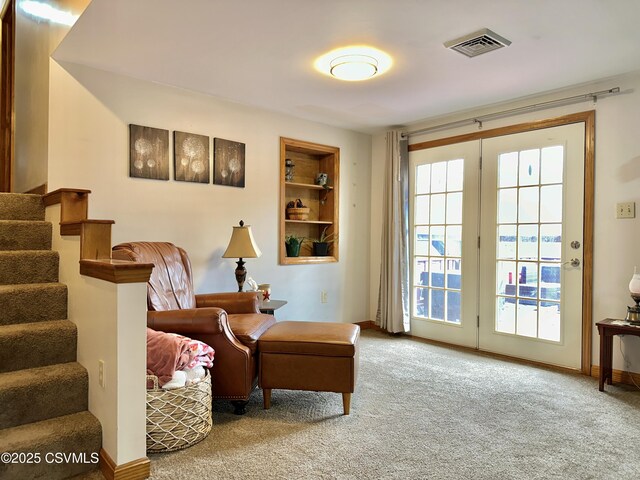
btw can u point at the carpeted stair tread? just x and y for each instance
(25, 235)
(33, 302)
(78, 433)
(28, 266)
(21, 206)
(31, 345)
(30, 392)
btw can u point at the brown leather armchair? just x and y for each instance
(230, 322)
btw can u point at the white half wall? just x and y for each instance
(617, 179)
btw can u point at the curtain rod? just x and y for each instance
(514, 111)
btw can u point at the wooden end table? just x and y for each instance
(607, 328)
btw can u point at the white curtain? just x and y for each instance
(393, 300)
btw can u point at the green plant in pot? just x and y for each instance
(321, 245)
(292, 243)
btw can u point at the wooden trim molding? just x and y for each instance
(117, 271)
(619, 376)
(134, 470)
(588, 118)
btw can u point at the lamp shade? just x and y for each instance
(242, 244)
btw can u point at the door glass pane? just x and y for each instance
(437, 304)
(438, 208)
(454, 175)
(527, 318)
(528, 242)
(550, 203)
(506, 278)
(421, 302)
(453, 306)
(528, 205)
(551, 241)
(454, 207)
(454, 241)
(550, 281)
(439, 177)
(549, 328)
(437, 241)
(507, 242)
(528, 279)
(552, 164)
(508, 170)
(421, 245)
(437, 262)
(420, 271)
(506, 315)
(422, 209)
(508, 205)
(423, 179)
(529, 167)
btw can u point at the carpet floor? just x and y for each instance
(425, 412)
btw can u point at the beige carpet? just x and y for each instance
(425, 412)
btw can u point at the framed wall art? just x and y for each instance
(228, 163)
(148, 152)
(191, 157)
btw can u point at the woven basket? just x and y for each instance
(298, 213)
(178, 418)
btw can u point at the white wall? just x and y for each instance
(617, 179)
(89, 148)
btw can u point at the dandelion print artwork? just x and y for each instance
(191, 157)
(148, 152)
(228, 159)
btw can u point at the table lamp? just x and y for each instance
(242, 245)
(633, 313)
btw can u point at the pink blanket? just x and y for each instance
(166, 353)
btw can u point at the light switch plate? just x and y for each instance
(626, 210)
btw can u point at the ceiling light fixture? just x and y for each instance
(354, 63)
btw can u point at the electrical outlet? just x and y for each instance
(323, 297)
(101, 373)
(626, 210)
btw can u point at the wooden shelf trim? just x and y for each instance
(308, 259)
(116, 271)
(310, 186)
(315, 222)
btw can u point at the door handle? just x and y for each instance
(574, 262)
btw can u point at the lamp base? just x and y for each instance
(241, 274)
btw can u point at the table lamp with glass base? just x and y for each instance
(633, 313)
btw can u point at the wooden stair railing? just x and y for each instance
(95, 239)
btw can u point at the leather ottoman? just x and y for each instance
(316, 356)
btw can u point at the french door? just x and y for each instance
(497, 244)
(531, 251)
(445, 206)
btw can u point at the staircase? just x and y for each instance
(43, 390)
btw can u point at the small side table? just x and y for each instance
(271, 306)
(607, 328)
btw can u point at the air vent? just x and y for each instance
(477, 43)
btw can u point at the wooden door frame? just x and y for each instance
(7, 91)
(589, 119)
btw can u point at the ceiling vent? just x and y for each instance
(477, 43)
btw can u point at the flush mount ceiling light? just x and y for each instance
(354, 63)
